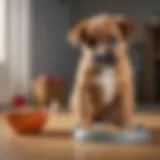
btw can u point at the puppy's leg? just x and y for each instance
(126, 105)
(83, 109)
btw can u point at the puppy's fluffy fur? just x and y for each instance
(107, 94)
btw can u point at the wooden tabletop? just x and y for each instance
(57, 143)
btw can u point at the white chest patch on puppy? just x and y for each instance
(107, 82)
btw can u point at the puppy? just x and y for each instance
(103, 87)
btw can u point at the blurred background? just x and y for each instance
(33, 42)
(37, 67)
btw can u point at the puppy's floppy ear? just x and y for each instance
(127, 27)
(77, 34)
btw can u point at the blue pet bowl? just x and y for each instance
(138, 134)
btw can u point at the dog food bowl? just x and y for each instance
(138, 134)
(27, 121)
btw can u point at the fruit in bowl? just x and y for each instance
(19, 101)
(27, 121)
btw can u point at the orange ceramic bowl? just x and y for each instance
(27, 122)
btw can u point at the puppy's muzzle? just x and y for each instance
(108, 59)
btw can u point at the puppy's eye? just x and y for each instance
(111, 40)
(91, 42)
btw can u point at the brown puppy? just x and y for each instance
(103, 86)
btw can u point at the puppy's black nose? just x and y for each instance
(107, 59)
(110, 58)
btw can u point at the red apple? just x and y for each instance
(19, 101)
